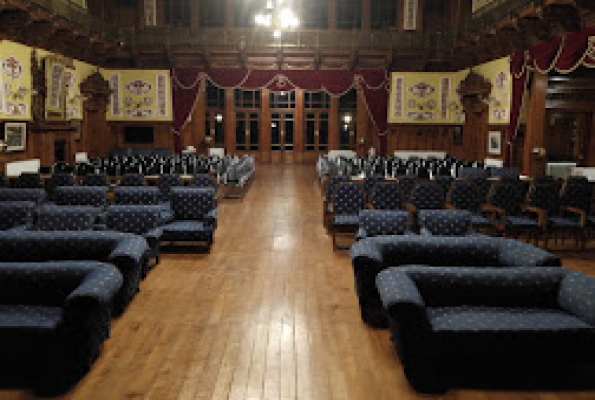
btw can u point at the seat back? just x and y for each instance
(132, 179)
(60, 180)
(95, 180)
(577, 193)
(384, 222)
(544, 196)
(28, 180)
(146, 195)
(463, 196)
(16, 213)
(505, 173)
(507, 196)
(369, 183)
(348, 198)
(427, 196)
(95, 196)
(332, 183)
(62, 218)
(445, 183)
(165, 183)
(204, 180)
(386, 196)
(445, 222)
(192, 203)
(472, 173)
(406, 184)
(10, 194)
(137, 219)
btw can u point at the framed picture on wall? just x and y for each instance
(15, 136)
(457, 136)
(495, 142)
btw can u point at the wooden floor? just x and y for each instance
(270, 313)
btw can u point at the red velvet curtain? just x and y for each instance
(563, 54)
(375, 84)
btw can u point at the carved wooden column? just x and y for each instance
(265, 127)
(298, 131)
(534, 162)
(96, 137)
(474, 93)
(229, 121)
(333, 124)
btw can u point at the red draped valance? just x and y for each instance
(186, 82)
(563, 54)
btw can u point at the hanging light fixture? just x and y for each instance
(277, 15)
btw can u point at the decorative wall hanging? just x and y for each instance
(15, 136)
(495, 143)
(150, 12)
(398, 106)
(445, 98)
(55, 69)
(116, 101)
(12, 67)
(410, 23)
(421, 116)
(138, 87)
(421, 89)
(161, 95)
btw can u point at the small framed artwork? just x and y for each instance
(457, 136)
(15, 136)
(495, 142)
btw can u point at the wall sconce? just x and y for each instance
(218, 118)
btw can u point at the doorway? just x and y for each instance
(282, 137)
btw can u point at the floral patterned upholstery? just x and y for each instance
(28, 180)
(54, 316)
(131, 179)
(426, 196)
(125, 251)
(95, 180)
(386, 196)
(382, 222)
(445, 222)
(451, 317)
(204, 180)
(95, 196)
(146, 195)
(372, 255)
(36, 196)
(16, 214)
(62, 218)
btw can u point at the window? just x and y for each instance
(281, 100)
(317, 100)
(212, 13)
(244, 12)
(215, 128)
(347, 120)
(349, 14)
(177, 12)
(314, 14)
(384, 14)
(317, 129)
(215, 96)
(246, 98)
(247, 130)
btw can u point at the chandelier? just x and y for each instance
(278, 16)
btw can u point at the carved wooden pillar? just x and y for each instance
(265, 127)
(298, 131)
(474, 93)
(96, 137)
(333, 124)
(534, 162)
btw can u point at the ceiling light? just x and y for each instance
(347, 118)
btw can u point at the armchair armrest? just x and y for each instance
(100, 286)
(493, 209)
(540, 212)
(449, 206)
(361, 234)
(131, 247)
(211, 217)
(401, 299)
(410, 208)
(153, 237)
(514, 253)
(580, 213)
(577, 296)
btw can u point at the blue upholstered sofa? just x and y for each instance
(54, 317)
(37, 196)
(16, 214)
(491, 319)
(125, 251)
(373, 255)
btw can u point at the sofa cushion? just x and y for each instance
(29, 317)
(445, 222)
(63, 218)
(384, 222)
(15, 213)
(497, 320)
(192, 203)
(187, 231)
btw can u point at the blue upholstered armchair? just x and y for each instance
(445, 223)
(448, 318)
(16, 214)
(195, 215)
(382, 223)
(133, 179)
(29, 180)
(56, 181)
(464, 195)
(54, 317)
(331, 184)
(95, 180)
(386, 196)
(204, 180)
(372, 255)
(141, 220)
(165, 183)
(36, 196)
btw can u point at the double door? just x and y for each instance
(282, 137)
